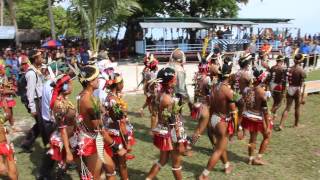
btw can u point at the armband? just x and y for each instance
(62, 126)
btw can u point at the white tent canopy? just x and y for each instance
(7, 32)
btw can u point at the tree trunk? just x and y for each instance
(118, 31)
(193, 36)
(1, 12)
(51, 18)
(12, 12)
(193, 33)
(133, 33)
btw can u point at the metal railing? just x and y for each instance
(168, 48)
(165, 48)
(276, 45)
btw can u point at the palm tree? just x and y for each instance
(100, 15)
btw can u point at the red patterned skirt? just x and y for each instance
(163, 142)
(7, 150)
(9, 103)
(253, 123)
(276, 87)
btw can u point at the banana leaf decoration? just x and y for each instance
(176, 108)
(236, 97)
(96, 108)
(166, 114)
(2, 117)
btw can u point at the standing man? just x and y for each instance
(295, 78)
(33, 101)
(49, 125)
(305, 51)
(177, 59)
(277, 79)
(223, 114)
(288, 53)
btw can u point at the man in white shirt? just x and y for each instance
(34, 94)
(288, 54)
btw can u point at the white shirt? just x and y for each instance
(288, 51)
(46, 99)
(34, 88)
(100, 92)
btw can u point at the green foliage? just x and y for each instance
(100, 15)
(34, 14)
(193, 8)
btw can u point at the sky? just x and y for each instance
(305, 13)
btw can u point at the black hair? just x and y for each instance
(86, 72)
(298, 57)
(166, 74)
(227, 60)
(256, 72)
(243, 63)
(31, 55)
(225, 71)
(114, 85)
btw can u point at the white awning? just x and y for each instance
(276, 25)
(7, 32)
(173, 25)
(230, 22)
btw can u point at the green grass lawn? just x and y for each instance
(314, 75)
(292, 154)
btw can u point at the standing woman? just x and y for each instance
(63, 140)
(169, 136)
(116, 122)
(92, 134)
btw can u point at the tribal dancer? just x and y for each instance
(8, 89)
(63, 141)
(7, 163)
(239, 81)
(277, 81)
(255, 118)
(296, 77)
(203, 82)
(92, 134)
(223, 120)
(202, 79)
(169, 136)
(116, 122)
(150, 86)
